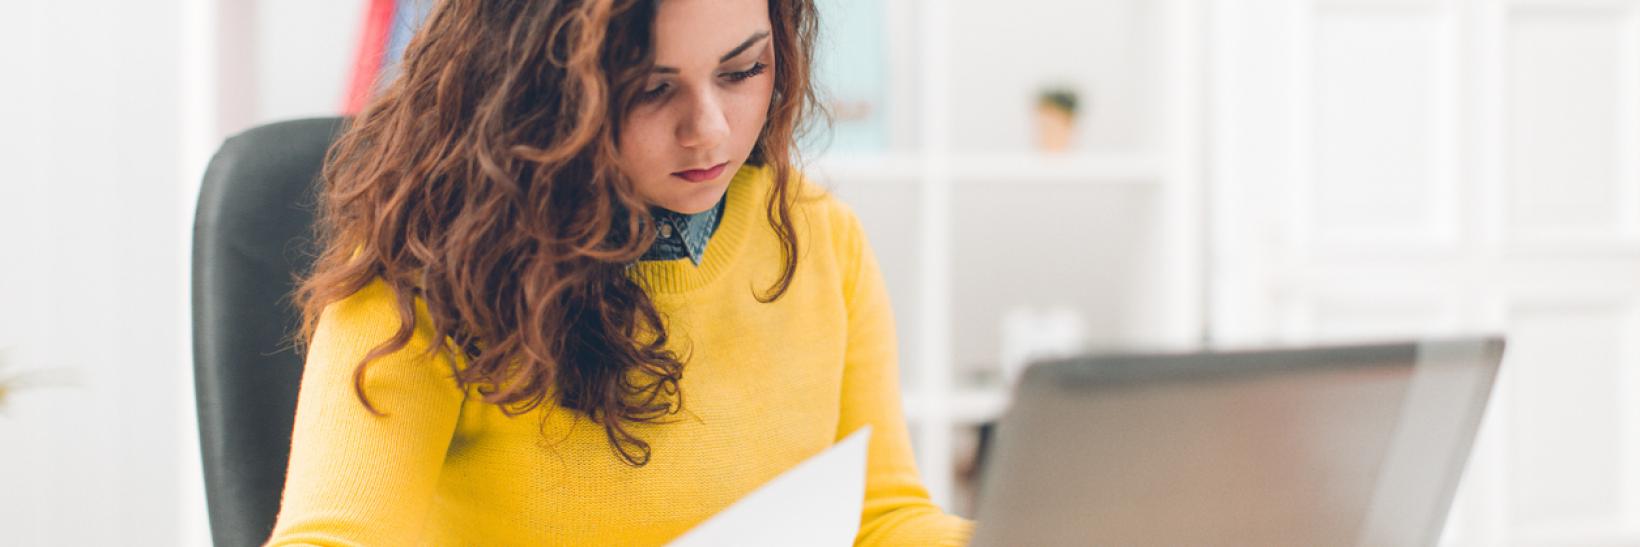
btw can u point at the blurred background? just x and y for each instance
(1038, 179)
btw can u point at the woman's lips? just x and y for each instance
(701, 175)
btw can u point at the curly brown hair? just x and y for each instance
(482, 181)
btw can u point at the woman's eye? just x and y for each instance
(659, 91)
(653, 93)
(748, 73)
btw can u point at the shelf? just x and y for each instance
(881, 168)
(1069, 168)
(1010, 168)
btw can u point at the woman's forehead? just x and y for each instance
(699, 33)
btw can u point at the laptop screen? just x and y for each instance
(1319, 446)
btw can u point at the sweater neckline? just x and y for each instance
(680, 275)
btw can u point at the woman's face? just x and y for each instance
(704, 104)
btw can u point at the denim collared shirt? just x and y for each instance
(680, 235)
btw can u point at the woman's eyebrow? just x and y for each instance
(743, 45)
(725, 58)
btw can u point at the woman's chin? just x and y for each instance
(699, 197)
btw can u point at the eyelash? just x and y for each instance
(734, 77)
(756, 69)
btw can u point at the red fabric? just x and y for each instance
(367, 65)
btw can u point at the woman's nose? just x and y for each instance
(705, 126)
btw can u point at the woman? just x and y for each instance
(591, 205)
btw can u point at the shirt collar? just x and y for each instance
(680, 235)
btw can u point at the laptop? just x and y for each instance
(1341, 445)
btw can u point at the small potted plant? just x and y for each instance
(1055, 118)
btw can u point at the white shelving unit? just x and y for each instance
(1014, 168)
(928, 169)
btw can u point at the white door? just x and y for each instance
(1422, 167)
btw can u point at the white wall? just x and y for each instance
(304, 56)
(90, 284)
(111, 109)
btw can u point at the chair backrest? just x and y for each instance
(252, 233)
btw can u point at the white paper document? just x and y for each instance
(817, 503)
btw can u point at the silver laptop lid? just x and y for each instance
(1343, 445)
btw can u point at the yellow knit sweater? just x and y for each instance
(766, 386)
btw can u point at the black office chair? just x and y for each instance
(252, 232)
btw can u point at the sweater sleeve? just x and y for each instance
(356, 478)
(897, 509)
